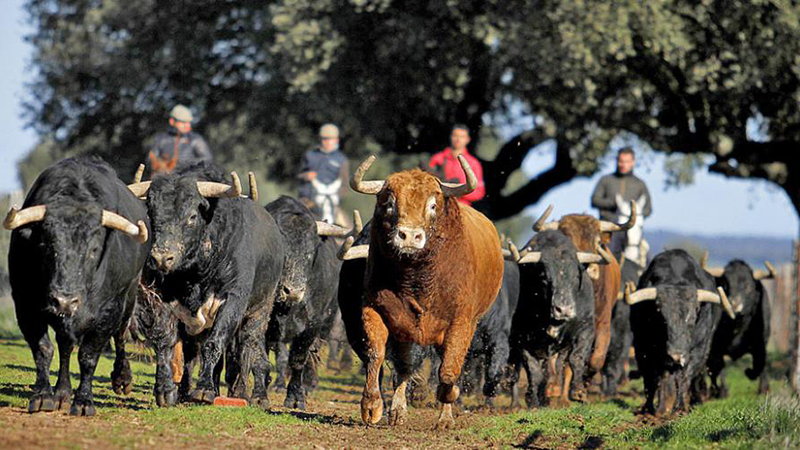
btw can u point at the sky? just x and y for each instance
(713, 205)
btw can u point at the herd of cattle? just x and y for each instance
(185, 261)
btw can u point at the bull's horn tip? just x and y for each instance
(143, 234)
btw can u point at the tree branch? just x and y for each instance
(500, 207)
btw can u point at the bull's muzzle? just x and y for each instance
(562, 313)
(292, 295)
(165, 260)
(65, 304)
(409, 238)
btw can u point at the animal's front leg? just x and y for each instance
(454, 350)
(63, 393)
(227, 320)
(35, 332)
(376, 336)
(398, 412)
(88, 355)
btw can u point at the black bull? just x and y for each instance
(554, 316)
(71, 269)
(216, 261)
(747, 333)
(306, 303)
(673, 322)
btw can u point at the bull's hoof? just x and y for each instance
(122, 381)
(63, 400)
(166, 397)
(41, 402)
(371, 409)
(82, 408)
(398, 415)
(294, 401)
(446, 421)
(577, 395)
(260, 402)
(205, 396)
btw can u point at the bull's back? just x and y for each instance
(264, 247)
(486, 258)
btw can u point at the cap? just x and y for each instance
(329, 130)
(181, 114)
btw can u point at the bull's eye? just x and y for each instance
(431, 206)
(192, 219)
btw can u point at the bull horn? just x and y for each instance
(640, 295)
(606, 226)
(365, 187)
(17, 218)
(539, 225)
(117, 222)
(588, 258)
(511, 254)
(704, 260)
(329, 229)
(719, 298)
(530, 257)
(348, 252)
(137, 177)
(713, 271)
(607, 256)
(140, 188)
(460, 189)
(213, 189)
(358, 225)
(766, 274)
(253, 186)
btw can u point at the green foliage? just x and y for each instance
(682, 77)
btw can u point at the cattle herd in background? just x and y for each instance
(187, 261)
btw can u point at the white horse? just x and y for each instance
(636, 247)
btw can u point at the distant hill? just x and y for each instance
(752, 249)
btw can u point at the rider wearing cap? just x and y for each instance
(179, 146)
(324, 174)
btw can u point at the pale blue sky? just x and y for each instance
(713, 205)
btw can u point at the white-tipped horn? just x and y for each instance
(357, 182)
(17, 218)
(640, 295)
(137, 177)
(358, 225)
(540, 224)
(512, 253)
(347, 251)
(221, 190)
(607, 256)
(766, 274)
(610, 226)
(253, 186)
(140, 189)
(530, 257)
(329, 229)
(460, 189)
(719, 298)
(117, 222)
(588, 258)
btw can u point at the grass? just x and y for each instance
(744, 420)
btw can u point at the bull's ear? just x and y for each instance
(207, 207)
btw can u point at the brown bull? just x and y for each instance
(434, 268)
(587, 233)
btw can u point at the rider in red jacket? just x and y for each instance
(445, 164)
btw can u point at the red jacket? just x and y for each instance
(445, 162)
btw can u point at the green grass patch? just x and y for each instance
(742, 421)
